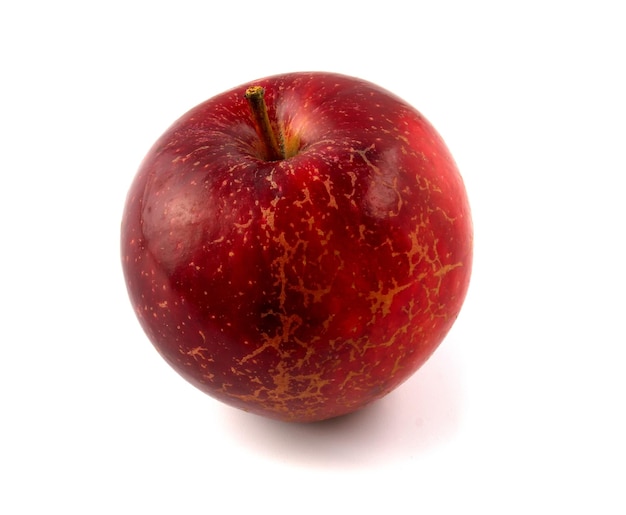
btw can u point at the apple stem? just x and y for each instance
(255, 95)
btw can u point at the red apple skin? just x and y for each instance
(305, 288)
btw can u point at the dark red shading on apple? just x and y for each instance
(304, 285)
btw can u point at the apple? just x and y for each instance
(298, 247)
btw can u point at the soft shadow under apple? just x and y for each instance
(422, 413)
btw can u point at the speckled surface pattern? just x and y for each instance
(304, 288)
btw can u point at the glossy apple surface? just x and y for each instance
(305, 287)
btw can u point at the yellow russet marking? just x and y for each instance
(282, 262)
(245, 225)
(187, 156)
(312, 295)
(283, 380)
(307, 198)
(383, 297)
(268, 216)
(447, 268)
(443, 213)
(332, 201)
(288, 325)
(285, 388)
(197, 353)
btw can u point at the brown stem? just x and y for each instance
(256, 101)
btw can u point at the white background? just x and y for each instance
(522, 408)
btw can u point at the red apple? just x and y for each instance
(297, 249)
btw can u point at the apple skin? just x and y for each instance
(305, 288)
